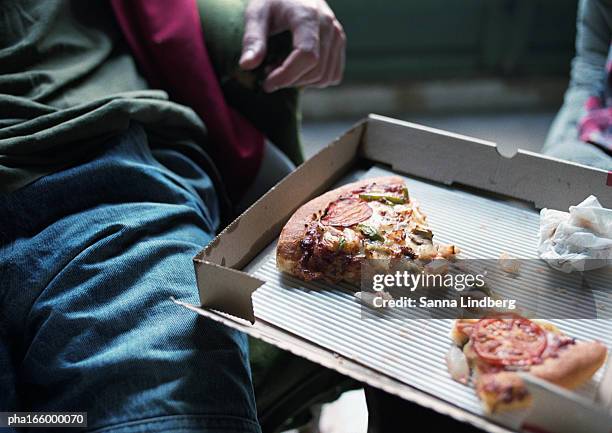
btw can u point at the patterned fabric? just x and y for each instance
(596, 126)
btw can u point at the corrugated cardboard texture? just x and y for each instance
(305, 349)
(413, 351)
(414, 150)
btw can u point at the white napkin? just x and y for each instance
(580, 240)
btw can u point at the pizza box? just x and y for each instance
(238, 284)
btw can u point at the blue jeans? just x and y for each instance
(89, 258)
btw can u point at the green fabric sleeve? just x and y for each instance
(275, 114)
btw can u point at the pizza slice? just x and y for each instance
(330, 236)
(495, 348)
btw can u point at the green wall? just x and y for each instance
(411, 39)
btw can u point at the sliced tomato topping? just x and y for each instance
(346, 212)
(509, 341)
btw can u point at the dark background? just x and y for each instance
(417, 39)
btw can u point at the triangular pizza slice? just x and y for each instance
(330, 236)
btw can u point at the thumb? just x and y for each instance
(254, 40)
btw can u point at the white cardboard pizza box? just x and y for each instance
(558, 410)
(418, 151)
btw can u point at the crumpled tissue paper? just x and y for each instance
(580, 240)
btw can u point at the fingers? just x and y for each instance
(331, 67)
(305, 55)
(334, 68)
(256, 24)
(321, 71)
(340, 59)
(317, 58)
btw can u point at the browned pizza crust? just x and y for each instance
(575, 365)
(288, 251)
(499, 391)
(459, 337)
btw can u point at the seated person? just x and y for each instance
(582, 130)
(108, 188)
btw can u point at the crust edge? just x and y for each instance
(288, 251)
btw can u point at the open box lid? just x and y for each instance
(225, 291)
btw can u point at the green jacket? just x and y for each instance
(277, 114)
(68, 83)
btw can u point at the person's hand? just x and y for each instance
(317, 58)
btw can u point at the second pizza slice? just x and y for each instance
(495, 348)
